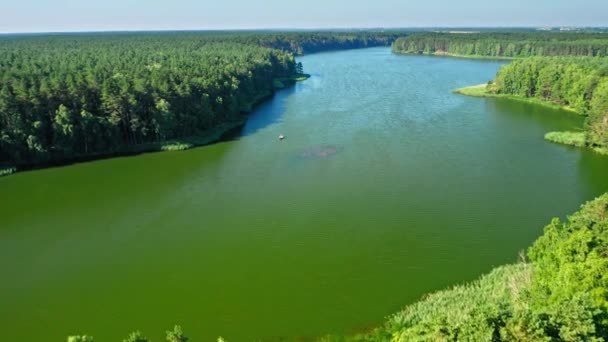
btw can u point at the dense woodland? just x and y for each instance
(75, 95)
(501, 44)
(304, 43)
(580, 83)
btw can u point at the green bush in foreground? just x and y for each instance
(176, 335)
(136, 337)
(504, 44)
(83, 338)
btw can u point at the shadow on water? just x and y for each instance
(266, 114)
(593, 168)
(547, 118)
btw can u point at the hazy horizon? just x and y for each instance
(301, 29)
(39, 16)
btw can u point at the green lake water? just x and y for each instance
(387, 187)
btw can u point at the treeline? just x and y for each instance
(557, 292)
(301, 43)
(507, 45)
(305, 43)
(580, 83)
(73, 95)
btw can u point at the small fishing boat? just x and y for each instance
(281, 137)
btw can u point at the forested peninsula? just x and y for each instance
(503, 44)
(83, 96)
(579, 84)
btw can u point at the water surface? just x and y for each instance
(386, 187)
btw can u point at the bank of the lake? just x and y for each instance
(481, 90)
(572, 138)
(576, 139)
(207, 137)
(387, 187)
(455, 55)
(583, 89)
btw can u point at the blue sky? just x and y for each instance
(92, 15)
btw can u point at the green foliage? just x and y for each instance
(136, 337)
(176, 335)
(580, 83)
(66, 97)
(571, 274)
(577, 139)
(301, 43)
(560, 294)
(301, 77)
(83, 338)
(597, 123)
(566, 81)
(509, 45)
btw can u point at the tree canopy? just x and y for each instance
(505, 44)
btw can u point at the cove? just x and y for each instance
(387, 187)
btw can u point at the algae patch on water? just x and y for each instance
(321, 151)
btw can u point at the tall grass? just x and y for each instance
(577, 139)
(476, 91)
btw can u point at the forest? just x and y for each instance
(301, 43)
(504, 44)
(578, 83)
(64, 97)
